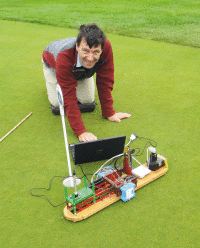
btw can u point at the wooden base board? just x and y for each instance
(113, 198)
(141, 182)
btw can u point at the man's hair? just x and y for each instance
(92, 34)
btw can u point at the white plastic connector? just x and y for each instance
(152, 149)
(133, 137)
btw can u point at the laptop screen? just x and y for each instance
(97, 150)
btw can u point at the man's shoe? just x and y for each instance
(55, 110)
(86, 107)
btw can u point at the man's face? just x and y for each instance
(89, 56)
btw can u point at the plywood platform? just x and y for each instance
(113, 198)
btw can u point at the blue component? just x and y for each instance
(127, 191)
(105, 171)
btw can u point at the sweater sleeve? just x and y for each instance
(66, 80)
(105, 80)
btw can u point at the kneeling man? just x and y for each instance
(71, 63)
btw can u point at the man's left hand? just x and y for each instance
(118, 116)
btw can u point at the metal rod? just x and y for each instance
(66, 143)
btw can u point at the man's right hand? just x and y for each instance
(87, 137)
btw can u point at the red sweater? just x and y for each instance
(61, 57)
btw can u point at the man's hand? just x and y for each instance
(118, 116)
(87, 137)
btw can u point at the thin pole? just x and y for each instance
(62, 113)
(15, 127)
(66, 142)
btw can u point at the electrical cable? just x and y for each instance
(47, 189)
(85, 175)
(112, 160)
(134, 150)
(149, 141)
(106, 163)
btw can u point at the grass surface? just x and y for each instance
(158, 84)
(169, 21)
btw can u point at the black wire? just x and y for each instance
(74, 173)
(115, 163)
(133, 151)
(85, 174)
(148, 142)
(47, 189)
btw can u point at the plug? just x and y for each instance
(133, 136)
(152, 149)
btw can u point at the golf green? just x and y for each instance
(158, 84)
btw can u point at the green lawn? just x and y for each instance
(158, 83)
(169, 21)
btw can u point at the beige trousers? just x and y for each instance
(85, 90)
